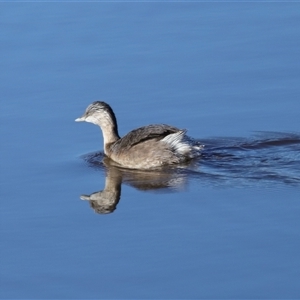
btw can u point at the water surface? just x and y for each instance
(225, 226)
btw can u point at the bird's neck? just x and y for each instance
(110, 135)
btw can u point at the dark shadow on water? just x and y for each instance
(265, 159)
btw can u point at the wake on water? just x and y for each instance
(264, 159)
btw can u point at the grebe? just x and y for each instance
(147, 147)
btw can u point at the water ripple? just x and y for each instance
(264, 159)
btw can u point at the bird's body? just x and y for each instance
(147, 147)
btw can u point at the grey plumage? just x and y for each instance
(146, 147)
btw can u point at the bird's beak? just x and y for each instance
(81, 119)
(85, 197)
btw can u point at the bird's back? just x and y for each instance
(143, 134)
(150, 146)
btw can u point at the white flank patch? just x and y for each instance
(175, 140)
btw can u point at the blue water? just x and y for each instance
(226, 226)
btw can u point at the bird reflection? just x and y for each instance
(106, 201)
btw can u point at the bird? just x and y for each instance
(148, 147)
